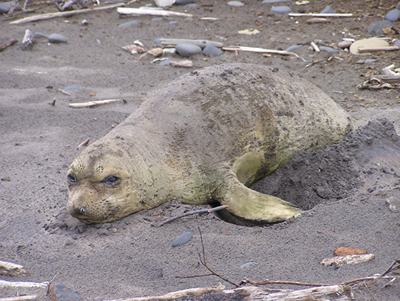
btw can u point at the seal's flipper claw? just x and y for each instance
(252, 205)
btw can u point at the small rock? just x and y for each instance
(328, 49)
(59, 292)
(375, 28)
(275, 1)
(6, 6)
(397, 43)
(345, 44)
(328, 10)
(342, 251)
(158, 19)
(293, 47)
(71, 88)
(165, 62)
(248, 265)
(193, 5)
(184, 2)
(164, 3)
(393, 15)
(235, 3)
(187, 50)
(57, 38)
(367, 43)
(211, 50)
(127, 24)
(157, 41)
(281, 9)
(182, 239)
(367, 61)
(38, 35)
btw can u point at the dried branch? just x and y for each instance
(11, 269)
(20, 298)
(4, 283)
(207, 210)
(370, 49)
(63, 14)
(93, 103)
(260, 50)
(8, 44)
(154, 11)
(319, 15)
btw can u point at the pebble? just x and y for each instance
(187, 50)
(157, 41)
(247, 265)
(293, 47)
(369, 61)
(165, 62)
(211, 50)
(127, 24)
(57, 38)
(71, 88)
(397, 43)
(6, 6)
(367, 43)
(393, 15)
(345, 44)
(60, 292)
(328, 10)
(38, 35)
(182, 239)
(275, 1)
(235, 3)
(375, 28)
(281, 9)
(328, 49)
(184, 2)
(158, 19)
(193, 5)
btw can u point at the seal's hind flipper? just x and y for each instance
(251, 205)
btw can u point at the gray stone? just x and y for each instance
(57, 38)
(375, 28)
(184, 2)
(328, 10)
(393, 15)
(127, 24)
(281, 9)
(397, 43)
(187, 50)
(59, 292)
(328, 49)
(182, 239)
(6, 6)
(293, 47)
(211, 50)
(275, 1)
(235, 3)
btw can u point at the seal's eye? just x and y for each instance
(111, 180)
(72, 179)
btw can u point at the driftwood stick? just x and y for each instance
(334, 292)
(150, 11)
(4, 283)
(207, 210)
(93, 103)
(260, 50)
(8, 44)
(11, 269)
(20, 298)
(319, 15)
(63, 14)
(370, 49)
(82, 144)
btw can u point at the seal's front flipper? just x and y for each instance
(251, 205)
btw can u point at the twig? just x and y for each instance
(12, 269)
(20, 298)
(48, 287)
(260, 50)
(63, 14)
(4, 283)
(397, 261)
(204, 262)
(207, 210)
(316, 48)
(93, 103)
(8, 44)
(83, 143)
(369, 49)
(318, 15)
(150, 11)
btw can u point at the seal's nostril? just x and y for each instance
(80, 211)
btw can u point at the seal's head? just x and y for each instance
(100, 185)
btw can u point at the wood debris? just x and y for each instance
(93, 103)
(184, 64)
(347, 259)
(153, 11)
(8, 44)
(260, 50)
(11, 269)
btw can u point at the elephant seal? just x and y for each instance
(205, 137)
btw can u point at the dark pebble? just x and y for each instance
(57, 38)
(375, 28)
(184, 2)
(59, 292)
